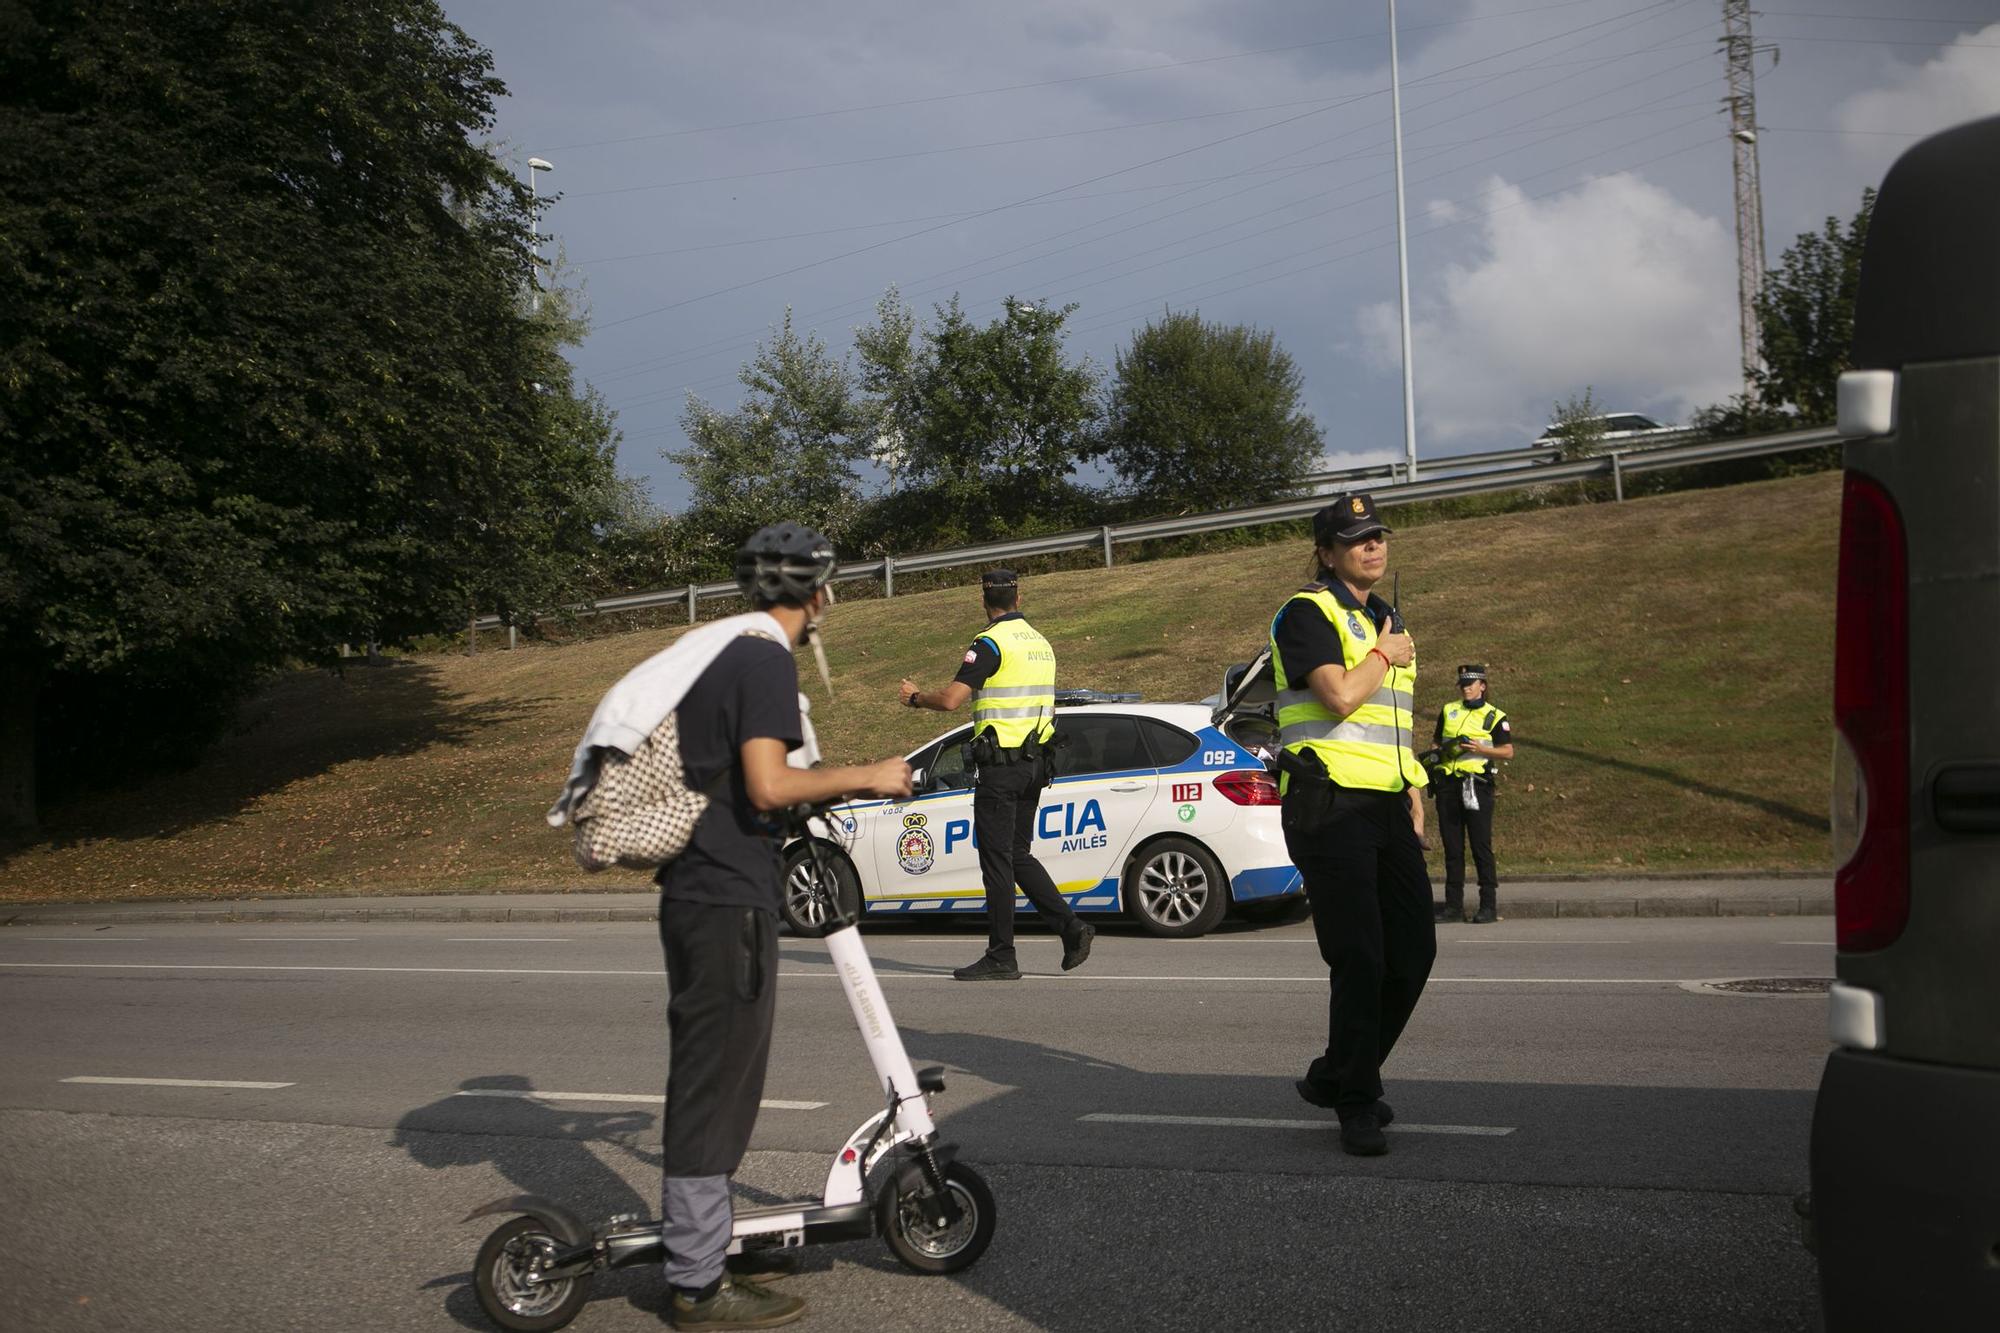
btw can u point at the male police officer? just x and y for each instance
(1471, 733)
(1009, 673)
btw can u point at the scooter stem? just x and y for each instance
(878, 1030)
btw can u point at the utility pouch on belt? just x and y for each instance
(1309, 793)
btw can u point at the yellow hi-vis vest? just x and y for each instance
(1370, 747)
(1477, 723)
(1018, 700)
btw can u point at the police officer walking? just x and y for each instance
(1346, 675)
(1009, 674)
(1471, 734)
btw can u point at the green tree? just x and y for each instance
(1805, 318)
(267, 379)
(993, 418)
(1207, 415)
(788, 450)
(1577, 425)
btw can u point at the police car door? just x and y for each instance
(924, 856)
(1090, 815)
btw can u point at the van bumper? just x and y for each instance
(1906, 1194)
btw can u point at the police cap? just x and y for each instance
(1350, 518)
(998, 578)
(1470, 672)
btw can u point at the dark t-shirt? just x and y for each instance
(982, 659)
(750, 691)
(1308, 641)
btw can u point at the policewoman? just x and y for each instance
(1009, 674)
(1346, 673)
(1471, 735)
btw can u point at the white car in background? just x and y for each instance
(1153, 812)
(1617, 428)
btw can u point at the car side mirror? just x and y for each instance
(920, 779)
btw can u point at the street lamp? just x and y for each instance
(536, 166)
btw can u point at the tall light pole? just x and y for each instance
(536, 166)
(1402, 256)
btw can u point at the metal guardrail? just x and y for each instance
(1509, 470)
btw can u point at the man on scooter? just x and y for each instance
(719, 903)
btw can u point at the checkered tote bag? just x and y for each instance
(642, 812)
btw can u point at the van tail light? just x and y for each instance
(1871, 718)
(1248, 786)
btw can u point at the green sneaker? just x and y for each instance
(737, 1303)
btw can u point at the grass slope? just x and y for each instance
(1666, 663)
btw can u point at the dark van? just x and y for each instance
(1905, 1204)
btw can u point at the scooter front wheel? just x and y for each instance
(500, 1278)
(929, 1249)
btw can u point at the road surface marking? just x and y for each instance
(649, 1098)
(85, 939)
(175, 1082)
(884, 977)
(1246, 1122)
(1483, 940)
(507, 939)
(296, 939)
(1816, 944)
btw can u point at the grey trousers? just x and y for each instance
(722, 970)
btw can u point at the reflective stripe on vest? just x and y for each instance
(1018, 700)
(1370, 747)
(1470, 724)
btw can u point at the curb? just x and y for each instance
(1811, 904)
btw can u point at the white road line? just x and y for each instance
(296, 939)
(649, 1098)
(85, 939)
(1493, 941)
(507, 939)
(1816, 944)
(1071, 978)
(1246, 1122)
(175, 1082)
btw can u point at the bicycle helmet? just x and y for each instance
(784, 563)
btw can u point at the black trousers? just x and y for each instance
(1371, 905)
(1455, 822)
(1003, 818)
(722, 993)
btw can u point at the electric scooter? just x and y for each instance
(935, 1212)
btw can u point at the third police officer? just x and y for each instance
(1346, 672)
(1471, 734)
(1009, 674)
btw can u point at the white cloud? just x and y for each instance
(1961, 83)
(1615, 285)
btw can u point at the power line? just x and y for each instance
(702, 351)
(1051, 83)
(1656, 7)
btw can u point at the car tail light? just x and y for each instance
(1248, 786)
(1871, 718)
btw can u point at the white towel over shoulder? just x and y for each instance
(632, 709)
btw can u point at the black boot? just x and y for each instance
(990, 967)
(1076, 938)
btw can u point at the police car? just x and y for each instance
(1153, 812)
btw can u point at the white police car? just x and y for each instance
(1153, 812)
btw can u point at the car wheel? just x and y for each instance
(1175, 889)
(809, 902)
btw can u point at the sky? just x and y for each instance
(1567, 162)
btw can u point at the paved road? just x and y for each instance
(1587, 1138)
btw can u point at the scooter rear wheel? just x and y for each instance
(928, 1249)
(500, 1279)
